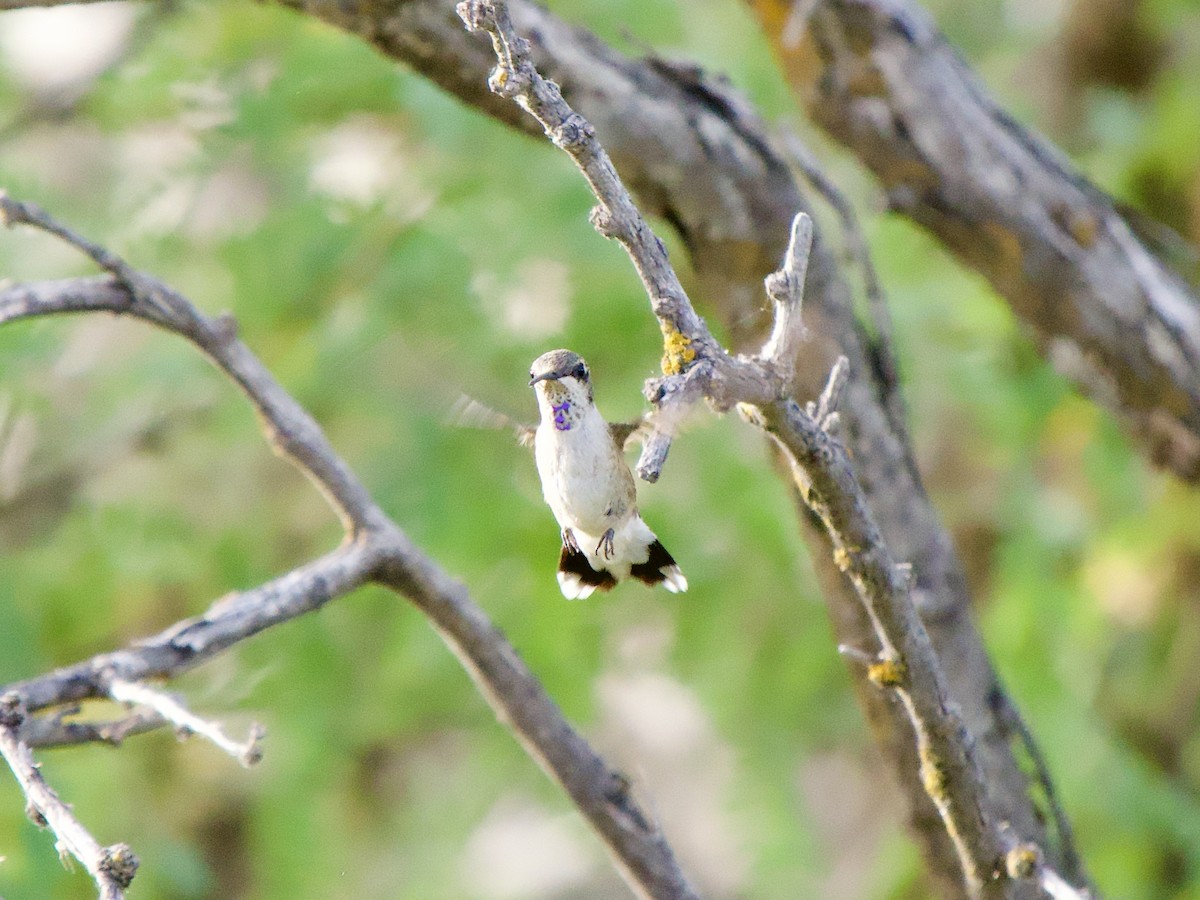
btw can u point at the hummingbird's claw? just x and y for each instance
(605, 547)
(568, 539)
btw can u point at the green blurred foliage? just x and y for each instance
(385, 249)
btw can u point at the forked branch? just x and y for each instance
(186, 722)
(696, 366)
(375, 550)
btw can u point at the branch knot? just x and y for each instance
(573, 133)
(888, 672)
(12, 710)
(504, 82)
(36, 816)
(601, 218)
(1022, 861)
(120, 863)
(780, 286)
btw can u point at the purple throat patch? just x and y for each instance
(560, 413)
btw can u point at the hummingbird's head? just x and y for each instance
(561, 377)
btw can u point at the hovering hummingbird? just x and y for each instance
(589, 488)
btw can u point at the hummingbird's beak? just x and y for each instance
(549, 376)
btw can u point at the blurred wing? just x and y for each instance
(625, 433)
(470, 413)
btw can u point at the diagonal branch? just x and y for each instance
(291, 431)
(617, 216)
(375, 550)
(880, 77)
(695, 364)
(186, 644)
(112, 868)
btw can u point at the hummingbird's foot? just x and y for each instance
(568, 539)
(605, 547)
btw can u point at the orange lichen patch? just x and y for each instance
(800, 60)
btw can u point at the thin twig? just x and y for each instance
(231, 619)
(290, 429)
(142, 288)
(186, 722)
(882, 344)
(825, 410)
(54, 730)
(786, 288)
(617, 216)
(112, 868)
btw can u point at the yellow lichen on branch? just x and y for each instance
(889, 672)
(933, 776)
(677, 352)
(1022, 861)
(843, 557)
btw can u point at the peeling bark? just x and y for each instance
(880, 78)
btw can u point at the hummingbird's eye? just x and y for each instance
(581, 372)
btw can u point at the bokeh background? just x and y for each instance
(385, 249)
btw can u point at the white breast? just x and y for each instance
(582, 474)
(587, 484)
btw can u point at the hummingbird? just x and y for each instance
(589, 488)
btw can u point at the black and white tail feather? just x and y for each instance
(578, 580)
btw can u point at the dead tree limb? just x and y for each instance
(375, 550)
(697, 367)
(880, 78)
